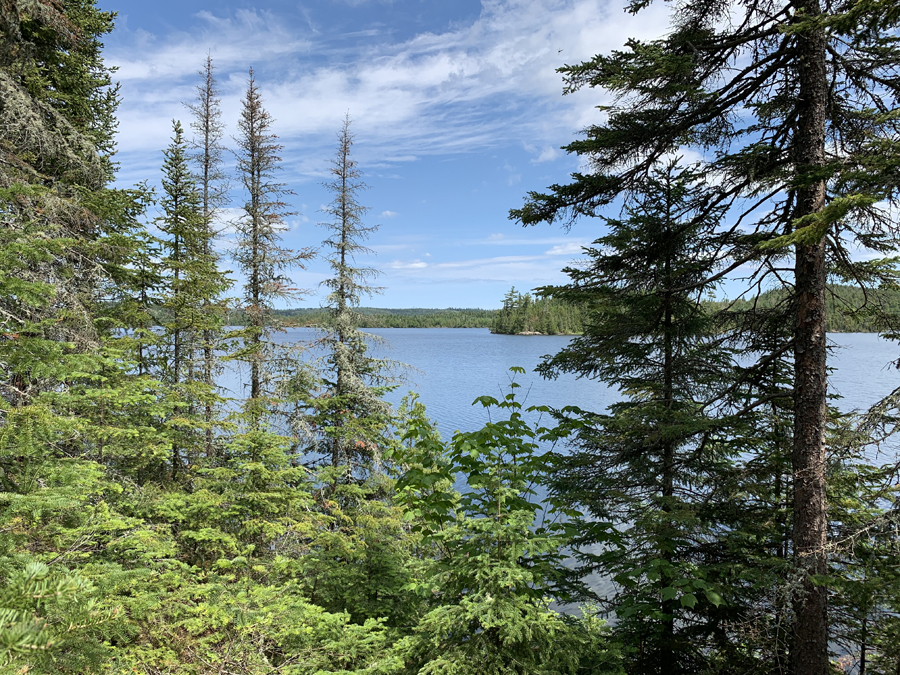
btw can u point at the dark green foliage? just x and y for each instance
(647, 472)
(793, 108)
(374, 317)
(544, 315)
(191, 285)
(143, 530)
(850, 309)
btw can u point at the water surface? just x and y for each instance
(453, 366)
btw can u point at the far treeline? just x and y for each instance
(849, 310)
(528, 314)
(377, 317)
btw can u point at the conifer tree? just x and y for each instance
(182, 221)
(213, 184)
(193, 282)
(648, 468)
(795, 103)
(352, 411)
(54, 92)
(259, 253)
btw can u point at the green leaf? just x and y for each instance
(714, 597)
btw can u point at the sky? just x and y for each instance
(457, 112)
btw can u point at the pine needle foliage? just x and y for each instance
(793, 106)
(647, 471)
(193, 282)
(213, 183)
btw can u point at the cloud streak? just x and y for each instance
(468, 87)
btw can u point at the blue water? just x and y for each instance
(453, 366)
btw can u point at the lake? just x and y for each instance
(453, 366)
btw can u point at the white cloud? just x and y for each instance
(546, 153)
(572, 248)
(472, 86)
(389, 214)
(413, 265)
(481, 262)
(504, 240)
(523, 271)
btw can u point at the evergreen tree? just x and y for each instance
(56, 105)
(543, 315)
(259, 253)
(795, 102)
(193, 283)
(182, 221)
(213, 183)
(350, 411)
(647, 471)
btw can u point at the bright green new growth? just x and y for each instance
(142, 530)
(495, 560)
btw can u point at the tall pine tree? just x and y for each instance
(350, 410)
(647, 471)
(193, 281)
(208, 158)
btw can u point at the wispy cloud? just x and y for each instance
(537, 270)
(506, 240)
(411, 265)
(468, 87)
(572, 248)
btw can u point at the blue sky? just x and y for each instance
(458, 113)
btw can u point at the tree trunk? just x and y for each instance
(810, 648)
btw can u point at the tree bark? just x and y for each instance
(810, 645)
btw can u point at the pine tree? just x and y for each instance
(259, 253)
(193, 283)
(54, 92)
(647, 471)
(795, 103)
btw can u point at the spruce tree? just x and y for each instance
(647, 471)
(193, 282)
(794, 104)
(351, 410)
(259, 253)
(213, 183)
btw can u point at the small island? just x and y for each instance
(525, 314)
